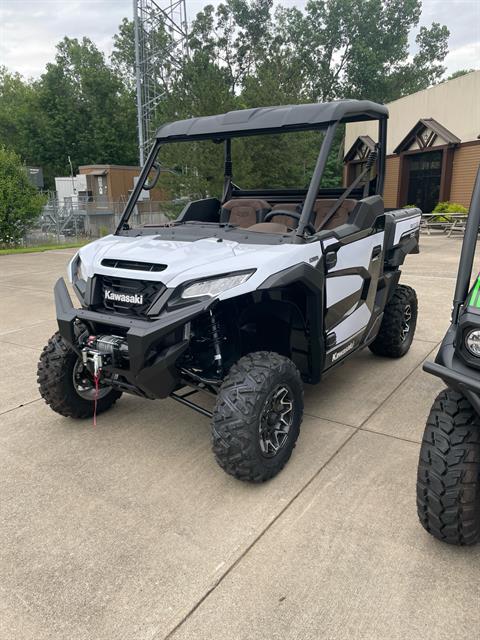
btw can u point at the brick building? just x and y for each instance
(433, 145)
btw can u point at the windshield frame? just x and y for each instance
(313, 187)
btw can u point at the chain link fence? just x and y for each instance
(74, 221)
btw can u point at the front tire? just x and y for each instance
(57, 369)
(257, 416)
(398, 324)
(448, 480)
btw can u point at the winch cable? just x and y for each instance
(96, 380)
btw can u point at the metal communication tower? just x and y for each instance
(160, 45)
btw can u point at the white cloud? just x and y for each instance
(30, 29)
(466, 56)
(462, 18)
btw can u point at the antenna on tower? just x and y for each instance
(161, 43)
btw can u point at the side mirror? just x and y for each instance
(149, 184)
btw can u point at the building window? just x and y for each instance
(426, 160)
(424, 179)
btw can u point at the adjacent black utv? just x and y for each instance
(448, 483)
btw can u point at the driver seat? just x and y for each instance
(244, 212)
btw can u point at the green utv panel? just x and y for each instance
(475, 297)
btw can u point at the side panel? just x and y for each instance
(400, 223)
(406, 227)
(402, 232)
(351, 288)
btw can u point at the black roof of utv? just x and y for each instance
(271, 120)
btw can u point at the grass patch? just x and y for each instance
(43, 247)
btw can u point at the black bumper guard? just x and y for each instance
(157, 379)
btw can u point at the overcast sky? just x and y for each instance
(30, 29)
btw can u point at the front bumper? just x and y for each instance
(454, 372)
(152, 367)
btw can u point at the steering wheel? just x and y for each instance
(292, 214)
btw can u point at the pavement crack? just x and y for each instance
(404, 379)
(220, 579)
(24, 404)
(16, 344)
(389, 435)
(30, 326)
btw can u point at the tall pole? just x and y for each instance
(74, 191)
(467, 255)
(141, 143)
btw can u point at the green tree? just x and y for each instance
(458, 74)
(243, 54)
(88, 112)
(19, 118)
(20, 202)
(235, 35)
(123, 54)
(330, 50)
(200, 89)
(349, 49)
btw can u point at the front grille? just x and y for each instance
(149, 291)
(133, 264)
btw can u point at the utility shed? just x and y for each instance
(109, 182)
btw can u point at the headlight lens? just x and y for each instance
(472, 342)
(215, 286)
(80, 271)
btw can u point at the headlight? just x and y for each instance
(214, 286)
(80, 271)
(472, 342)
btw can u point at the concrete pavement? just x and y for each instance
(130, 530)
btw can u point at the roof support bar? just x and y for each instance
(382, 155)
(228, 171)
(315, 182)
(132, 201)
(467, 254)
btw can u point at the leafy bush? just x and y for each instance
(20, 202)
(409, 206)
(449, 207)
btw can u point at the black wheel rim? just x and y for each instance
(84, 385)
(275, 421)
(406, 322)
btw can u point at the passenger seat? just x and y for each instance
(322, 207)
(244, 212)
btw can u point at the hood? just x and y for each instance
(179, 257)
(200, 259)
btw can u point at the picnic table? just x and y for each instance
(447, 222)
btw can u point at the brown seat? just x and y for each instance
(244, 212)
(287, 220)
(322, 207)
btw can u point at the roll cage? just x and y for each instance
(272, 120)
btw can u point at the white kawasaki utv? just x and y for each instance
(245, 298)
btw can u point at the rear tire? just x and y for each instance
(257, 416)
(448, 481)
(398, 324)
(55, 379)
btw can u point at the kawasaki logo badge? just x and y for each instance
(342, 352)
(123, 297)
